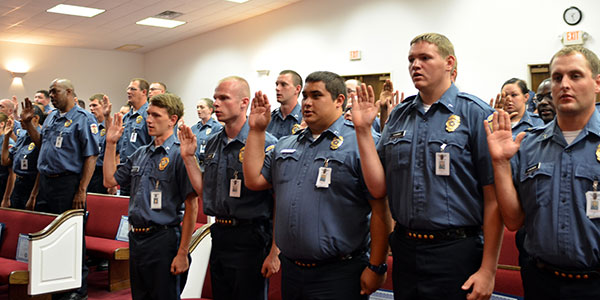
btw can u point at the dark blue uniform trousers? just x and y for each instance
(433, 269)
(151, 255)
(236, 259)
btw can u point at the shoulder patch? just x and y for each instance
(269, 148)
(94, 128)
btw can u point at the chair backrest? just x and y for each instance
(20, 221)
(509, 255)
(105, 213)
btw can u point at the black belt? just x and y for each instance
(239, 222)
(60, 174)
(567, 274)
(317, 263)
(452, 234)
(149, 229)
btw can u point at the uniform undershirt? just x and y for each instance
(571, 135)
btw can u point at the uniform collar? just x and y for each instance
(210, 123)
(167, 145)
(142, 109)
(526, 119)
(335, 129)
(448, 99)
(70, 114)
(553, 131)
(241, 136)
(294, 114)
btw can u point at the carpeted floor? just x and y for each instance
(97, 288)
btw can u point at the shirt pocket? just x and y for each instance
(585, 175)
(210, 166)
(537, 185)
(398, 149)
(286, 164)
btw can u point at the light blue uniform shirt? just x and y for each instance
(319, 223)
(79, 130)
(551, 179)
(134, 122)
(529, 120)
(222, 162)
(420, 199)
(203, 132)
(144, 169)
(24, 149)
(281, 127)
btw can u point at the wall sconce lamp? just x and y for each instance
(17, 74)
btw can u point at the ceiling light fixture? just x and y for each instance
(75, 10)
(158, 22)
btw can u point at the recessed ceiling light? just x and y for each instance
(238, 1)
(75, 10)
(158, 22)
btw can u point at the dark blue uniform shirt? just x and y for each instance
(551, 179)
(101, 144)
(78, 129)
(319, 223)
(420, 199)
(150, 168)
(134, 122)
(221, 162)
(281, 127)
(4, 170)
(24, 149)
(529, 120)
(203, 132)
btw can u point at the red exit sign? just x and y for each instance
(573, 37)
(355, 55)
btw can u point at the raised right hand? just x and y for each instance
(260, 112)
(499, 137)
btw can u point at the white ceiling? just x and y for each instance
(26, 21)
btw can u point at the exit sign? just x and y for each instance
(355, 55)
(574, 38)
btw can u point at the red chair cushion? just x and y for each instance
(103, 248)
(7, 266)
(17, 222)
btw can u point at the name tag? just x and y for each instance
(397, 135)
(59, 140)
(533, 168)
(24, 164)
(324, 177)
(133, 137)
(135, 169)
(156, 199)
(287, 151)
(235, 188)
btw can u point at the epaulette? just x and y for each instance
(475, 100)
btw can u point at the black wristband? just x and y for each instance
(381, 269)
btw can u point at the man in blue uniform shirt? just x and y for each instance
(159, 188)
(42, 97)
(241, 236)
(286, 119)
(135, 134)
(323, 209)
(96, 185)
(68, 150)
(207, 126)
(553, 190)
(433, 163)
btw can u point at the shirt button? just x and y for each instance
(417, 187)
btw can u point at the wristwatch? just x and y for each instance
(381, 269)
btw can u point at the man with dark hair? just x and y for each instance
(159, 245)
(68, 150)
(286, 119)
(43, 97)
(547, 179)
(433, 164)
(322, 229)
(156, 88)
(206, 126)
(135, 133)
(242, 233)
